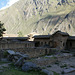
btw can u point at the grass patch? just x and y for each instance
(51, 57)
(19, 72)
(65, 65)
(72, 66)
(5, 54)
(54, 73)
(49, 66)
(54, 57)
(65, 51)
(2, 62)
(62, 72)
(57, 62)
(43, 67)
(11, 70)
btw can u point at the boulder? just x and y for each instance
(16, 57)
(22, 55)
(46, 71)
(11, 52)
(19, 62)
(10, 57)
(29, 66)
(69, 70)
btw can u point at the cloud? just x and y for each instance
(9, 3)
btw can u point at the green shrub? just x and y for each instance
(62, 72)
(49, 66)
(5, 54)
(65, 65)
(54, 73)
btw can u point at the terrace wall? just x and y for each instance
(11, 45)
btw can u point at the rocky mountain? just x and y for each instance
(40, 16)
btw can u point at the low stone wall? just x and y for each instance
(34, 52)
(47, 60)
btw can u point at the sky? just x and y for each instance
(6, 3)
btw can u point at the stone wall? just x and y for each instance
(34, 52)
(10, 45)
(26, 48)
(59, 41)
(43, 41)
(70, 45)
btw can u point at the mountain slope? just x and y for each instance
(40, 16)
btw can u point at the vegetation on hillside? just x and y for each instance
(2, 29)
(40, 16)
(20, 34)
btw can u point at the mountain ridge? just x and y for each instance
(42, 17)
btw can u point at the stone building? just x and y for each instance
(70, 44)
(12, 39)
(15, 42)
(42, 40)
(57, 40)
(41, 45)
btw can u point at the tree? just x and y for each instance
(20, 34)
(2, 29)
